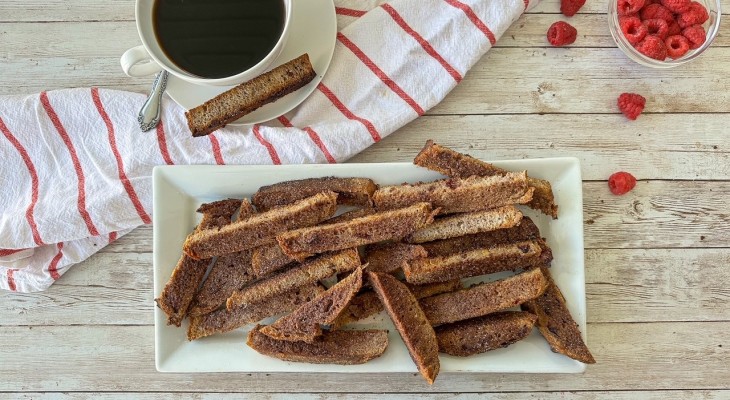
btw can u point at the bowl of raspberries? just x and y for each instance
(663, 33)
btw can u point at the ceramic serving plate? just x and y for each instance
(179, 190)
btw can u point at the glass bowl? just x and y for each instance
(711, 26)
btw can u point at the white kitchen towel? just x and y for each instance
(76, 169)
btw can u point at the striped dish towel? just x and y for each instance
(76, 171)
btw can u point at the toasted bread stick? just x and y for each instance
(180, 289)
(350, 191)
(269, 258)
(260, 228)
(410, 321)
(310, 271)
(387, 225)
(457, 195)
(391, 257)
(526, 230)
(457, 165)
(304, 323)
(484, 298)
(338, 347)
(482, 334)
(467, 224)
(556, 324)
(222, 320)
(248, 96)
(472, 263)
(367, 302)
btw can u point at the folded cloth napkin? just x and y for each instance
(76, 170)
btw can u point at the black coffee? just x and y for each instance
(217, 38)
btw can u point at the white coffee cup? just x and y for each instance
(149, 58)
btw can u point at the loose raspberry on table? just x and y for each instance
(628, 7)
(657, 27)
(634, 31)
(656, 11)
(652, 47)
(674, 29)
(676, 6)
(631, 104)
(696, 36)
(571, 7)
(677, 46)
(621, 183)
(696, 15)
(561, 33)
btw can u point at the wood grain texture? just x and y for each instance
(583, 395)
(640, 356)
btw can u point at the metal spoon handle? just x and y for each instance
(149, 114)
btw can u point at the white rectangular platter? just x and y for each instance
(179, 190)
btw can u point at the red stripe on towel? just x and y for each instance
(216, 150)
(33, 181)
(272, 151)
(379, 73)
(315, 138)
(81, 199)
(349, 12)
(163, 144)
(474, 19)
(423, 42)
(347, 113)
(118, 157)
(11, 280)
(53, 267)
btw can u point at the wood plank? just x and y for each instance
(685, 146)
(621, 286)
(584, 395)
(653, 356)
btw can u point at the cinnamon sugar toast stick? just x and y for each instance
(350, 191)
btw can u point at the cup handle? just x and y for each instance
(136, 62)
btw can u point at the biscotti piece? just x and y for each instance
(304, 323)
(382, 226)
(229, 273)
(350, 215)
(338, 347)
(269, 258)
(351, 191)
(526, 230)
(504, 257)
(467, 224)
(260, 228)
(480, 335)
(218, 213)
(455, 195)
(557, 325)
(484, 298)
(248, 96)
(457, 165)
(367, 303)
(390, 257)
(180, 289)
(221, 321)
(310, 271)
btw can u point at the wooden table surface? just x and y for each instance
(657, 259)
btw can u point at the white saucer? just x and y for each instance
(313, 31)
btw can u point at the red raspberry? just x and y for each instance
(621, 183)
(634, 31)
(570, 7)
(561, 33)
(631, 104)
(628, 7)
(652, 47)
(674, 29)
(656, 11)
(658, 27)
(697, 15)
(695, 35)
(677, 46)
(676, 6)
